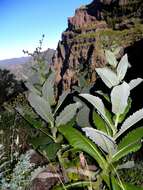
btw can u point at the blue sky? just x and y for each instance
(22, 23)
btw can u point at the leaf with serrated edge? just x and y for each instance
(122, 116)
(62, 99)
(98, 105)
(134, 135)
(31, 88)
(130, 121)
(130, 143)
(127, 165)
(67, 114)
(48, 92)
(135, 82)
(106, 96)
(119, 98)
(99, 123)
(132, 147)
(108, 76)
(82, 117)
(101, 139)
(41, 106)
(80, 142)
(122, 67)
(129, 186)
(111, 59)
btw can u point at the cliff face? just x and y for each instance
(94, 27)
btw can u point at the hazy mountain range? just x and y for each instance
(19, 66)
(6, 62)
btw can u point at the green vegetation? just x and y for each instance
(111, 37)
(90, 144)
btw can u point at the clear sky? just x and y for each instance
(22, 23)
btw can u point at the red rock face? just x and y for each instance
(81, 18)
(80, 44)
(75, 49)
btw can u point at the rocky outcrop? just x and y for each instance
(45, 178)
(81, 19)
(94, 27)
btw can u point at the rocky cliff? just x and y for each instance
(103, 24)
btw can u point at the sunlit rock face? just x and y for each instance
(100, 25)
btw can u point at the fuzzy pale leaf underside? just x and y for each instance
(130, 121)
(108, 76)
(101, 139)
(48, 91)
(67, 114)
(111, 59)
(135, 82)
(98, 105)
(122, 67)
(119, 98)
(41, 106)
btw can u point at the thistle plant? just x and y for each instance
(114, 136)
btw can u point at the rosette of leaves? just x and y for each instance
(114, 135)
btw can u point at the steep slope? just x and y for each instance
(94, 27)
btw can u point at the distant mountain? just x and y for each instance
(20, 60)
(20, 66)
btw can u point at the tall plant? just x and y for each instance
(114, 136)
(48, 112)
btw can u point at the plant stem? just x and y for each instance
(117, 121)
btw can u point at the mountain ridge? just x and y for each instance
(102, 24)
(20, 66)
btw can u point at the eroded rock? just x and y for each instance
(100, 25)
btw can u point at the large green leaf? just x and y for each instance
(111, 59)
(114, 184)
(101, 139)
(119, 98)
(41, 141)
(79, 141)
(130, 121)
(50, 151)
(133, 136)
(108, 76)
(131, 187)
(48, 90)
(132, 147)
(99, 122)
(122, 67)
(67, 114)
(41, 107)
(130, 143)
